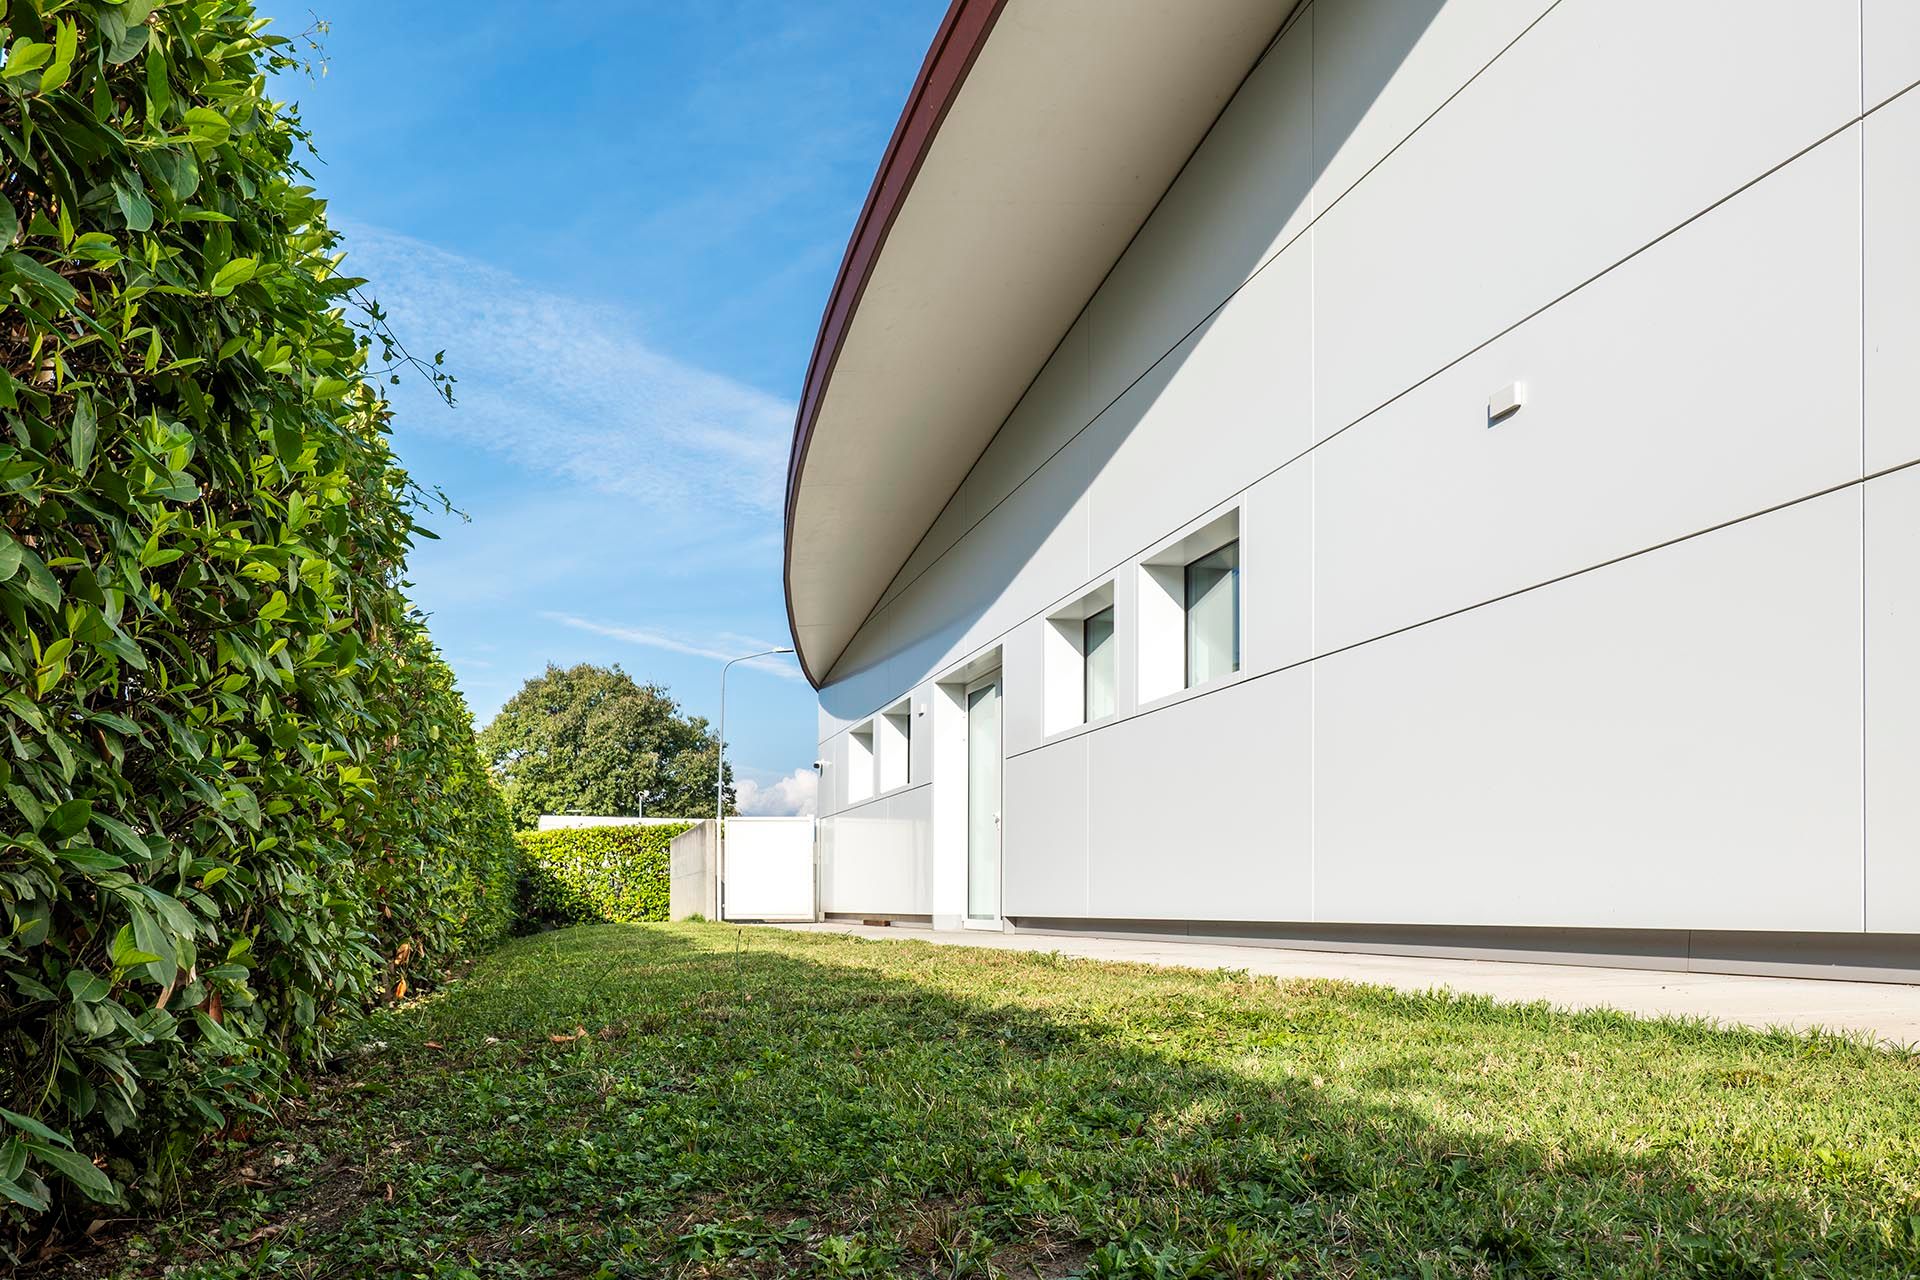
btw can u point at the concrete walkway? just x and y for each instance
(1888, 1012)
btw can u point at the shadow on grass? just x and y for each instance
(707, 1101)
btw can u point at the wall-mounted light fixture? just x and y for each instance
(1506, 402)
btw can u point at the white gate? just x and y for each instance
(768, 869)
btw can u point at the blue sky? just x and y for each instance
(621, 225)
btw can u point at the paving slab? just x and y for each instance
(1888, 1012)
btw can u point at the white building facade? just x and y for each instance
(1382, 474)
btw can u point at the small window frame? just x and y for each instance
(862, 764)
(1064, 668)
(1163, 663)
(893, 730)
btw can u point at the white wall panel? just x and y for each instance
(1889, 48)
(1681, 391)
(877, 857)
(1234, 401)
(911, 815)
(1892, 186)
(1203, 810)
(1242, 195)
(1549, 168)
(1034, 549)
(1276, 559)
(861, 679)
(1126, 641)
(1055, 407)
(1380, 67)
(1669, 742)
(1045, 831)
(1893, 702)
(1021, 672)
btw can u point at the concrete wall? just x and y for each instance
(1641, 656)
(692, 887)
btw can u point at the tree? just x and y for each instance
(588, 739)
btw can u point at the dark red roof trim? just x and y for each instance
(963, 33)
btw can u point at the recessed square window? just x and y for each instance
(1080, 670)
(1190, 609)
(895, 745)
(860, 764)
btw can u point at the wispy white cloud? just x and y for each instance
(575, 390)
(720, 647)
(564, 542)
(792, 796)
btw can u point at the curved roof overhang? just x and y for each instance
(1038, 137)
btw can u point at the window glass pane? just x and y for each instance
(1097, 643)
(1213, 615)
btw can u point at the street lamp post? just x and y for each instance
(720, 780)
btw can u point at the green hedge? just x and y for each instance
(621, 875)
(239, 797)
(442, 879)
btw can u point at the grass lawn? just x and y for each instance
(702, 1100)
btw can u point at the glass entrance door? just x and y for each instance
(983, 802)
